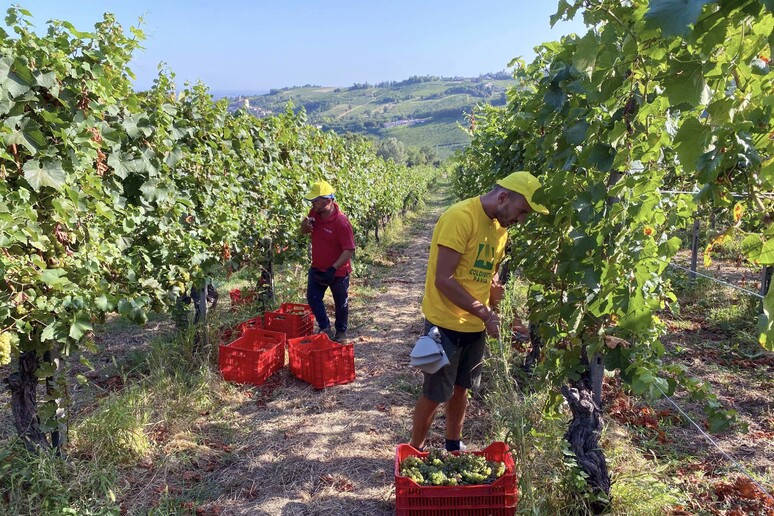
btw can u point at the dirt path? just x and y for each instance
(332, 451)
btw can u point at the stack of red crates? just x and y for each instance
(498, 499)
(321, 362)
(252, 357)
(292, 319)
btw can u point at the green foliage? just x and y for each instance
(113, 200)
(392, 149)
(607, 120)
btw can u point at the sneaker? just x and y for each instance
(463, 447)
(340, 337)
(327, 331)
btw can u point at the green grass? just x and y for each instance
(171, 386)
(43, 484)
(719, 306)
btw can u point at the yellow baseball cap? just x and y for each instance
(320, 189)
(526, 184)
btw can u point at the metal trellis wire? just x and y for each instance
(750, 292)
(715, 444)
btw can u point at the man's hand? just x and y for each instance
(492, 324)
(307, 225)
(326, 277)
(496, 294)
(519, 328)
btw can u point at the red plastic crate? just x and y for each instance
(253, 357)
(241, 298)
(499, 498)
(229, 334)
(294, 320)
(318, 360)
(256, 323)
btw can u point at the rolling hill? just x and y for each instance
(419, 111)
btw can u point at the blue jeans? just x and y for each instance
(314, 296)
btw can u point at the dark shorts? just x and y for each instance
(465, 352)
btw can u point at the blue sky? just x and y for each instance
(235, 45)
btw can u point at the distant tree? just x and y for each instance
(429, 156)
(392, 148)
(422, 156)
(413, 157)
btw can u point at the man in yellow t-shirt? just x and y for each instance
(468, 244)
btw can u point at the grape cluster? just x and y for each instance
(441, 468)
(5, 348)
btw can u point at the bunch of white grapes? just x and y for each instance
(5, 348)
(441, 468)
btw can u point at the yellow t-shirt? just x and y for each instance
(465, 228)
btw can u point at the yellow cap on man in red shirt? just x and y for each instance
(321, 188)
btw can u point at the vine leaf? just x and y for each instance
(54, 277)
(766, 326)
(585, 56)
(691, 140)
(751, 247)
(80, 326)
(637, 320)
(687, 84)
(674, 17)
(767, 253)
(767, 172)
(49, 174)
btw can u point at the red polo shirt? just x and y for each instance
(330, 237)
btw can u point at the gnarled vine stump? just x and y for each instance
(583, 436)
(23, 385)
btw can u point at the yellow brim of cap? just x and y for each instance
(539, 208)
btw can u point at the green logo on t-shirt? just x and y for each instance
(485, 257)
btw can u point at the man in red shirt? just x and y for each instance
(333, 245)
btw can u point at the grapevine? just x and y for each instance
(113, 200)
(653, 95)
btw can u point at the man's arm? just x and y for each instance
(345, 255)
(446, 264)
